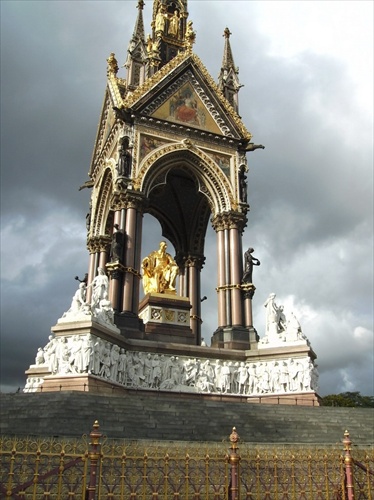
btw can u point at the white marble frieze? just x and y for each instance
(78, 354)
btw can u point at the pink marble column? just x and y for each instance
(195, 300)
(103, 258)
(114, 282)
(235, 272)
(248, 310)
(137, 262)
(183, 287)
(222, 318)
(91, 273)
(128, 285)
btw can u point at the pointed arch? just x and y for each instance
(211, 182)
(104, 193)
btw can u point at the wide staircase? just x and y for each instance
(169, 416)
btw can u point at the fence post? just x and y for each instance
(94, 457)
(348, 467)
(233, 459)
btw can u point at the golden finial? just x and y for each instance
(234, 436)
(190, 36)
(112, 64)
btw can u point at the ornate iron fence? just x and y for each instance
(95, 468)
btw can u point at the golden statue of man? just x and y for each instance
(159, 271)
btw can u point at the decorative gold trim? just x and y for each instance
(227, 287)
(132, 97)
(225, 103)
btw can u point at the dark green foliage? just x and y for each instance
(352, 399)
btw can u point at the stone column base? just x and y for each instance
(234, 337)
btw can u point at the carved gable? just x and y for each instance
(184, 93)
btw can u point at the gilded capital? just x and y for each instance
(99, 243)
(128, 199)
(229, 220)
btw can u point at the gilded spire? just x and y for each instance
(228, 80)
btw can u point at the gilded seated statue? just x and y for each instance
(159, 271)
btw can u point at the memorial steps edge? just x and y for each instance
(174, 418)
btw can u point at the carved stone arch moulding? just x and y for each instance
(104, 193)
(109, 149)
(211, 181)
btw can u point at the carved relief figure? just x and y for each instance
(89, 354)
(159, 271)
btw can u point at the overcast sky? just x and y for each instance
(307, 70)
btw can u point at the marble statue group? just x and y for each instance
(280, 328)
(100, 308)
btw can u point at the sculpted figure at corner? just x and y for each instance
(159, 271)
(249, 262)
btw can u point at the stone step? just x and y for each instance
(140, 415)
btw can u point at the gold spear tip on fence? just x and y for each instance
(234, 436)
(95, 434)
(347, 441)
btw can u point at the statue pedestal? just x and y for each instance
(235, 337)
(166, 318)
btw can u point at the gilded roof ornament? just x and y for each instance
(190, 36)
(112, 68)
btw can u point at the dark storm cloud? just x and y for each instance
(310, 190)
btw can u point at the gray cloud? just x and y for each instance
(310, 190)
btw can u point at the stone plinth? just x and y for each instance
(294, 399)
(232, 337)
(88, 356)
(167, 318)
(81, 383)
(68, 328)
